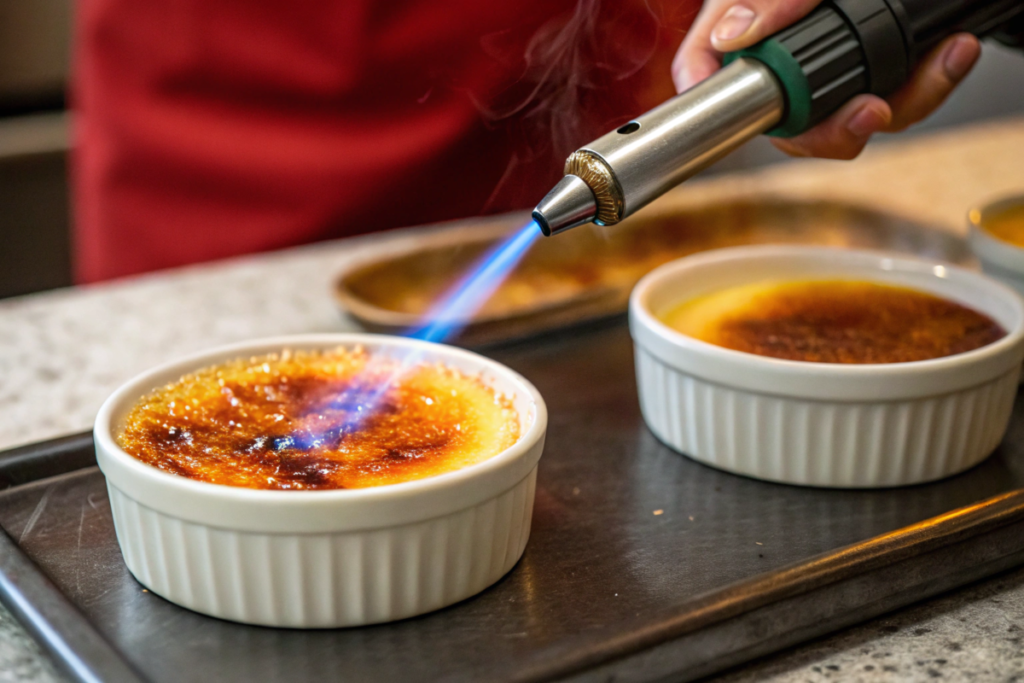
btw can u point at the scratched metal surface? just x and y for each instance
(600, 563)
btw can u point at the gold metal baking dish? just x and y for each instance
(588, 273)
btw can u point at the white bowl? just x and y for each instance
(823, 424)
(312, 559)
(999, 259)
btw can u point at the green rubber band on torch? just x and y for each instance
(794, 82)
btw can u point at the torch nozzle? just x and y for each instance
(570, 203)
(619, 173)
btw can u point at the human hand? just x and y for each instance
(729, 25)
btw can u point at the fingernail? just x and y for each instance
(734, 23)
(682, 80)
(865, 122)
(959, 58)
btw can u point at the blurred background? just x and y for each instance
(35, 213)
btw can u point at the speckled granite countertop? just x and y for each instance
(63, 352)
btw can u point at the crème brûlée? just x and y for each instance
(335, 419)
(834, 321)
(1007, 225)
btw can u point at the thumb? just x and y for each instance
(743, 23)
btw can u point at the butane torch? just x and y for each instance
(783, 86)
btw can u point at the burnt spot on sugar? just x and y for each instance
(309, 421)
(856, 322)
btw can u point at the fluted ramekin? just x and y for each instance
(998, 258)
(823, 424)
(319, 559)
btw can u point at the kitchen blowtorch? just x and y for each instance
(784, 85)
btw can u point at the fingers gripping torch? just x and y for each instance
(783, 86)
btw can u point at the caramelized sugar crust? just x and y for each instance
(1008, 225)
(835, 322)
(304, 420)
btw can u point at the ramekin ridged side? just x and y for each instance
(323, 559)
(824, 443)
(822, 424)
(329, 579)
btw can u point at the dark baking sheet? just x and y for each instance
(730, 569)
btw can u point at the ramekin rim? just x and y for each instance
(103, 426)
(975, 214)
(640, 311)
(992, 250)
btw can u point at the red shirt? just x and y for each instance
(210, 128)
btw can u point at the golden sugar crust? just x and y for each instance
(1007, 225)
(302, 420)
(835, 321)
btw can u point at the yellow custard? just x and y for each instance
(833, 321)
(1007, 225)
(319, 420)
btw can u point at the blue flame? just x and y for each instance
(455, 310)
(446, 318)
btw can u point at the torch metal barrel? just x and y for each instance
(633, 165)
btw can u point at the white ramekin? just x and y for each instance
(999, 259)
(316, 559)
(823, 424)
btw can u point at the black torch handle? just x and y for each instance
(848, 47)
(927, 22)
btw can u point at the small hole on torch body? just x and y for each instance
(630, 127)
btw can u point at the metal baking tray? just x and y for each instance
(643, 565)
(587, 273)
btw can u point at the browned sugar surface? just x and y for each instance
(289, 421)
(855, 322)
(1008, 225)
